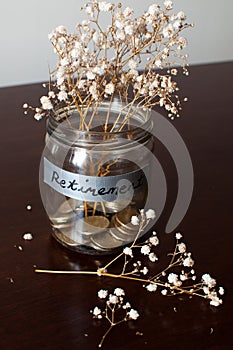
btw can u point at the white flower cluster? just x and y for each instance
(169, 280)
(98, 63)
(208, 285)
(114, 302)
(142, 221)
(144, 216)
(147, 248)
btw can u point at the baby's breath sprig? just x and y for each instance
(97, 64)
(179, 277)
(117, 310)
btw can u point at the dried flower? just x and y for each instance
(96, 312)
(144, 271)
(113, 299)
(152, 287)
(188, 262)
(221, 290)
(62, 95)
(105, 6)
(133, 314)
(128, 251)
(182, 248)
(109, 89)
(46, 103)
(38, 116)
(102, 63)
(168, 4)
(153, 9)
(102, 293)
(168, 282)
(208, 280)
(145, 249)
(119, 292)
(153, 257)
(135, 220)
(164, 291)
(178, 235)
(126, 306)
(154, 240)
(150, 214)
(116, 311)
(215, 301)
(28, 236)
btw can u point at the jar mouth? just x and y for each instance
(103, 122)
(116, 115)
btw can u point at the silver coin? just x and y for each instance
(69, 232)
(59, 218)
(92, 224)
(116, 206)
(105, 241)
(65, 239)
(123, 218)
(61, 225)
(121, 236)
(125, 229)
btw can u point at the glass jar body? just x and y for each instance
(93, 181)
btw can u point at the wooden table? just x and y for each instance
(52, 311)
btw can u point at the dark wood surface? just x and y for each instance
(52, 312)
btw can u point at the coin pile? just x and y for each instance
(102, 233)
(80, 230)
(105, 242)
(120, 233)
(115, 206)
(122, 229)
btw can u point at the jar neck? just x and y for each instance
(111, 124)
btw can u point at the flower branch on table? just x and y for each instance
(178, 277)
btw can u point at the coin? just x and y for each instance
(65, 239)
(61, 225)
(60, 218)
(116, 206)
(120, 236)
(92, 224)
(123, 229)
(105, 241)
(124, 217)
(71, 235)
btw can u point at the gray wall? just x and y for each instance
(24, 26)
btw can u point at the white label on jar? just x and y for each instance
(94, 188)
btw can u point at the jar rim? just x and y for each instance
(62, 117)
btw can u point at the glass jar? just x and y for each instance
(94, 175)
